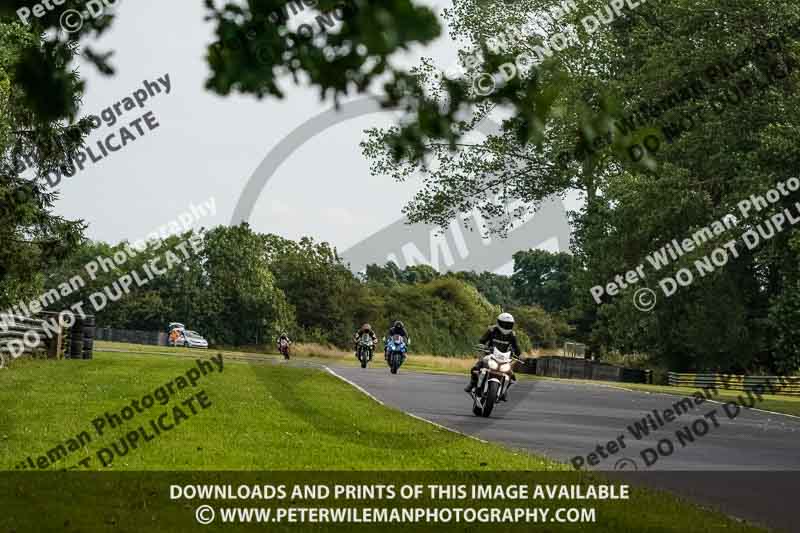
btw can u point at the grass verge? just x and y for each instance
(262, 416)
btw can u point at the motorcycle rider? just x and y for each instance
(365, 328)
(397, 329)
(284, 337)
(502, 337)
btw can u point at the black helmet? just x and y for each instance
(398, 324)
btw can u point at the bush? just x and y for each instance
(544, 330)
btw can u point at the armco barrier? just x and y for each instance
(569, 367)
(153, 338)
(528, 366)
(785, 385)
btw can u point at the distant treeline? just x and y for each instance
(244, 288)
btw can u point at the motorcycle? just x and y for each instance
(365, 347)
(395, 352)
(283, 348)
(493, 381)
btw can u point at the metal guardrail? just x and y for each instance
(152, 338)
(572, 368)
(785, 385)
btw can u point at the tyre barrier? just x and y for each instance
(782, 385)
(571, 368)
(76, 349)
(76, 340)
(21, 331)
(88, 347)
(44, 335)
(89, 332)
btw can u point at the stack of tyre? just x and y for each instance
(81, 343)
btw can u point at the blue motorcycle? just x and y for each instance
(395, 352)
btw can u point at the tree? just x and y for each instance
(645, 177)
(224, 290)
(31, 236)
(550, 108)
(390, 274)
(544, 329)
(387, 275)
(496, 288)
(543, 278)
(420, 274)
(247, 303)
(693, 176)
(316, 283)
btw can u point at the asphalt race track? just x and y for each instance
(746, 464)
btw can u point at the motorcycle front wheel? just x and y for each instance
(492, 389)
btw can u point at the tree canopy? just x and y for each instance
(31, 236)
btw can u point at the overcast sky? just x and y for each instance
(209, 146)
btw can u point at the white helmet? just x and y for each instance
(505, 321)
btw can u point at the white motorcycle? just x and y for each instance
(493, 381)
(365, 349)
(283, 348)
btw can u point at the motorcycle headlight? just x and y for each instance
(505, 367)
(492, 364)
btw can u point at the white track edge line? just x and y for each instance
(412, 415)
(354, 385)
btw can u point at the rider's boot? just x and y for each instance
(504, 396)
(473, 381)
